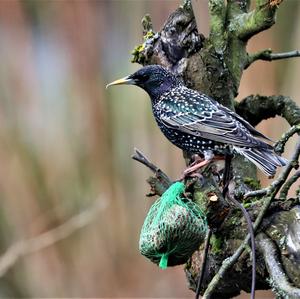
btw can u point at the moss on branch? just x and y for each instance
(217, 24)
(257, 20)
(237, 7)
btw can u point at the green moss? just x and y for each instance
(148, 35)
(234, 218)
(252, 183)
(138, 51)
(138, 55)
(247, 205)
(201, 199)
(216, 244)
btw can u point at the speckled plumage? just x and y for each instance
(198, 124)
(175, 107)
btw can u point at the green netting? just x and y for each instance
(173, 228)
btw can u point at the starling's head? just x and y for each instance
(154, 79)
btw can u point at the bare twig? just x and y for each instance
(140, 157)
(52, 236)
(257, 193)
(267, 55)
(276, 184)
(279, 280)
(279, 146)
(286, 187)
(161, 181)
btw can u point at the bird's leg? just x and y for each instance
(226, 173)
(199, 163)
(196, 166)
(196, 159)
(191, 170)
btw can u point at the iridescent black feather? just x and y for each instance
(196, 123)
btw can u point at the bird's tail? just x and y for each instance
(263, 158)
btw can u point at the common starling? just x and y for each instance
(196, 123)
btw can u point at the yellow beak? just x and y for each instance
(125, 80)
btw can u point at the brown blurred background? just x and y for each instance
(65, 141)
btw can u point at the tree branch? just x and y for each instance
(52, 236)
(280, 144)
(257, 20)
(279, 280)
(267, 55)
(256, 108)
(286, 187)
(160, 183)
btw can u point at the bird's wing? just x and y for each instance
(245, 123)
(213, 123)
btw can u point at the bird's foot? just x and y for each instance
(192, 170)
(196, 159)
(195, 166)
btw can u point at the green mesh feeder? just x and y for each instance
(173, 229)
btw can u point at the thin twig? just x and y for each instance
(276, 184)
(140, 157)
(203, 267)
(257, 193)
(267, 55)
(272, 190)
(50, 237)
(286, 187)
(279, 280)
(284, 55)
(280, 144)
(160, 182)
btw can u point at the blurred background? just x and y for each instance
(66, 142)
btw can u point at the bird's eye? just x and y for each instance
(145, 77)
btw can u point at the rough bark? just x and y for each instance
(257, 108)
(214, 65)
